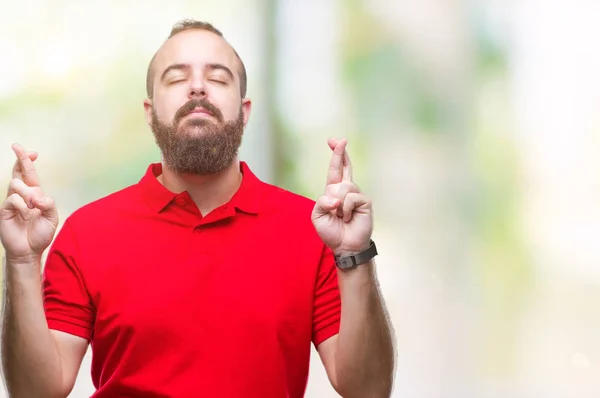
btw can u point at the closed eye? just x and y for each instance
(218, 81)
(177, 80)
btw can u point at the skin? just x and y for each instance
(360, 359)
(40, 362)
(37, 362)
(211, 74)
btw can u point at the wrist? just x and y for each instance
(350, 258)
(352, 250)
(23, 265)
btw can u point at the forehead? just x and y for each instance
(197, 48)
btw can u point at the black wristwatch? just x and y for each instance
(351, 261)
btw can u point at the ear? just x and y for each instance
(148, 110)
(246, 108)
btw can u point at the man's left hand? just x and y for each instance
(342, 216)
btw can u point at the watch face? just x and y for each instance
(346, 262)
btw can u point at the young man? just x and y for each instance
(200, 280)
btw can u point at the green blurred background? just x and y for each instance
(472, 124)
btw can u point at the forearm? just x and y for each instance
(30, 359)
(364, 360)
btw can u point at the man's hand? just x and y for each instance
(28, 218)
(343, 215)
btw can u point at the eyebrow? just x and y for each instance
(173, 67)
(187, 66)
(221, 67)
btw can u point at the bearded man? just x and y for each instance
(200, 280)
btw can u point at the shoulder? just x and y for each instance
(278, 198)
(106, 207)
(274, 199)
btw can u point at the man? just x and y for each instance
(200, 280)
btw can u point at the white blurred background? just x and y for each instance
(472, 124)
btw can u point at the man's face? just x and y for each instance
(197, 114)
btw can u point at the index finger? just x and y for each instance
(336, 165)
(24, 167)
(16, 170)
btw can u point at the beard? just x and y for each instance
(198, 146)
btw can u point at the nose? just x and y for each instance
(197, 93)
(197, 88)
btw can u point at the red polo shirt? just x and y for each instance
(179, 305)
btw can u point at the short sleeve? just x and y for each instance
(67, 303)
(327, 305)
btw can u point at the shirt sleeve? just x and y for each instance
(327, 304)
(67, 303)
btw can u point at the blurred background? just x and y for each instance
(473, 125)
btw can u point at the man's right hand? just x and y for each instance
(28, 218)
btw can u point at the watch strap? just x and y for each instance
(353, 260)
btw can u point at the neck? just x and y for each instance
(208, 191)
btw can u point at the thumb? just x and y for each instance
(324, 205)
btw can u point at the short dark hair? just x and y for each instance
(190, 24)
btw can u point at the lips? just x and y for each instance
(200, 110)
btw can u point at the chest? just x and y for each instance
(181, 285)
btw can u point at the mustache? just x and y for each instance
(189, 106)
